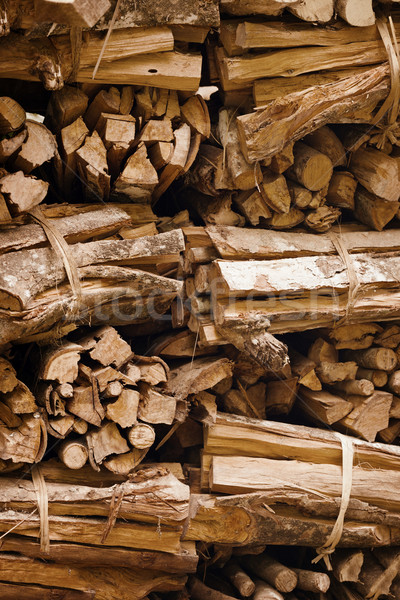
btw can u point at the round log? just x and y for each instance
(73, 453)
(310, 168)
(141, 436)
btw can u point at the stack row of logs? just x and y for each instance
(56, 44)
(250, 482)
(287, 282)
(103, 532)
(259, 576)
(309, 183)
(100, 149)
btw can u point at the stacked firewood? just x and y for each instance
(282, 165)
(259, 575)
(309, 183)
(154, 45)
(105, 402)
(286, 282)
(101, 150)
(19, 415)
(102, 531)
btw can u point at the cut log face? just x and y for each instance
(60, 363)
(107, 440)
(356, 12)
(107, 347)
(138, 179)
(124, 410)
(12, 115)
(22, 192)
(38, 148)
(377, 172)
(311, 168)
(157, 408)
(76, 14)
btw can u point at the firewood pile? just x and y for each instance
(199, 300)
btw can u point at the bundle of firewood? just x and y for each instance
(308, 183)
(102, 531)
(284, 282)
(101, 150)
(105, 402)
(118, 281)
(148, 45)
(285, 482)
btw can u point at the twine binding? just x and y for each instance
(43, 508)
(354, 284)
(328, 548)
(61, 248)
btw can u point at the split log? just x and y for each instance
(65, 107)
(324, 406)
(26, 442)
(38, 148)
(244, 175)
(241, 436)
(138, 179)
(347, 565)
(124, 410)
(373, 211)
(244, 474)
(232, 243)
(377, 172)
(12, 115)
(368, 416)
(182, 562)
(218, 519)
(91, 160)
(281, 396)
(107, 440)
(332, 372)
(90, 531)
(275, 193)
(133, 583)
(342, 188)
(21, 192)
(261, 137)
